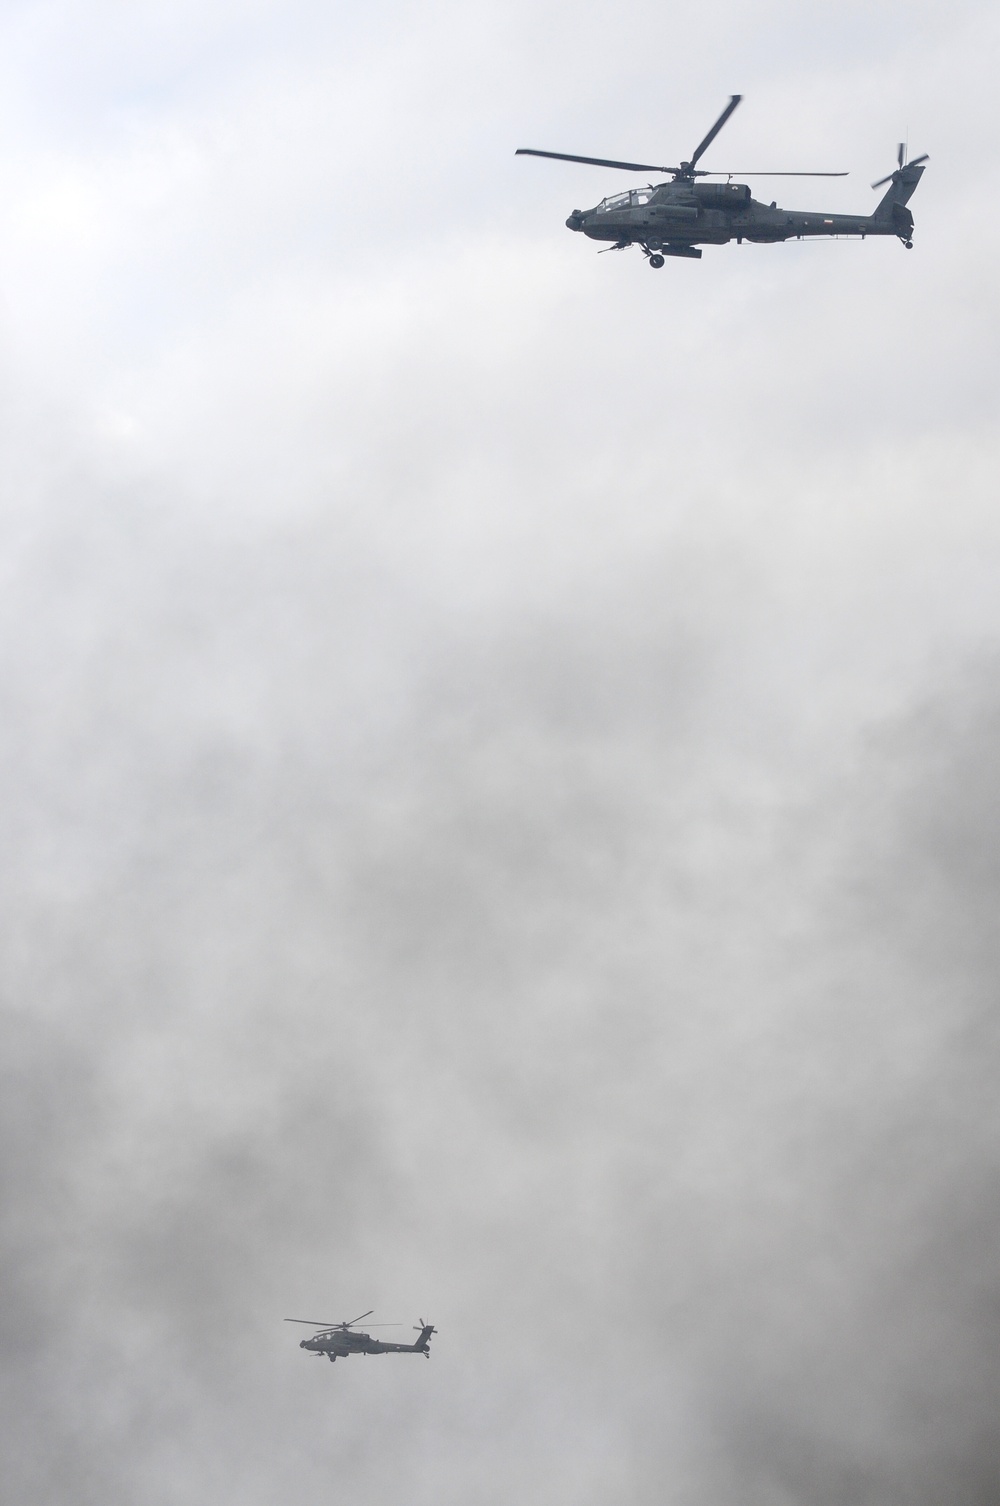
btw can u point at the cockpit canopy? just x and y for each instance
(634, 198)
(730, 196)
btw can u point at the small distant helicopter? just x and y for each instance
(675, 218)
(333, 1339)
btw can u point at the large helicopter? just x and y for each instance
(673, 219)
(333, 1339)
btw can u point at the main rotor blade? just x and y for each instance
(309, 1322)
(706, 173)
(733, 102)
(628, 167)
(788, 173)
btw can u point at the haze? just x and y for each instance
(499, 816)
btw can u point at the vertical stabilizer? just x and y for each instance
(423, 1343)
(891, 211)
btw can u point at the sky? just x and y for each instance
(499, 818)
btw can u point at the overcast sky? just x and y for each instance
(499, 813)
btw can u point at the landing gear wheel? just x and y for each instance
(908, 245)
(656, 260)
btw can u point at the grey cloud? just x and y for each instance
(520, 1006)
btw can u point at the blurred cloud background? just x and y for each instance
(499, 814)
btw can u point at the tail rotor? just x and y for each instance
(903, 166)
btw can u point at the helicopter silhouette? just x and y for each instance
(340, 1339)
(676, 218)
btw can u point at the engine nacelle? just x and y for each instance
(722, 195)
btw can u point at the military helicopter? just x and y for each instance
(333, 1339)
(675, 218)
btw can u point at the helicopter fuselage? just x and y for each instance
(673, 218)
(339, 1342)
